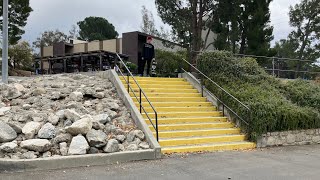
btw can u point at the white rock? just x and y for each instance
(39, 91)
(7, 133)
(31, 129)
(71, 115)
(39, 145)
(47, 154)
(63, 148)
(99, 95)
(112, 146)
(102, 118)
(78, 146)
(26, 106)
(139, 134)
(96, 138)
(9, 147)
(53, 119)
(82, 126)
(29, 155)
(60, 114)
(16, 126)
(120, 138)
(76, 96)
(132, 147)
(4, 110)
(19, 87)
(144, 145)
(47, 131)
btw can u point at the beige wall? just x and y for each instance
(110, 45)
(47, 51)
(94, 46)
(78, 48)
(120, 45)
(45, 64)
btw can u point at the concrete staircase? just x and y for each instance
(187, 122)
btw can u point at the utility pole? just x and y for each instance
(5, 43)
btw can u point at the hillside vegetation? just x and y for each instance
(274, 105)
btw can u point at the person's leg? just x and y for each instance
(148, 66)
(142, 64)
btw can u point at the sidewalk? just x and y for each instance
(292, 163)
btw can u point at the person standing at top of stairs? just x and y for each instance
(148, 55)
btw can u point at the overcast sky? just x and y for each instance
(124, 14)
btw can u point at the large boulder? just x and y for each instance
(47, 131)
(96, 138)
(102, 118)
(9, 147)
(31, 129)
(4, 110)
(38, 145)
(76, 96)
(78, 146)
(112, 146)
(7, 133)
(82, 126)
(71, 115)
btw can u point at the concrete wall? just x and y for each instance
(47, 51)
(79, 48)
(110, 45)
(286, 138)
(94, 46)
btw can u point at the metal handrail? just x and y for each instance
(141, 92)
(218, 99)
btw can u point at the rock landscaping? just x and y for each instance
(62, 115)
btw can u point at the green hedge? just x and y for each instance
(168, 63)
(273, 105)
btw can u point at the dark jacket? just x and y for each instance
(148, 51)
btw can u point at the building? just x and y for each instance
(76, 55)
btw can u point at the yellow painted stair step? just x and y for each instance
(180, 109)
(209, 147)
(183, 114)
(157, 79)
(188, 86)
(155, 82)
(171, 99)
(193, 133)
(201, 140)
(189, 120)
(193, 126)
(176, 104)
(148, 94)
(166, 90)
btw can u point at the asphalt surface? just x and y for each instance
(292, 163)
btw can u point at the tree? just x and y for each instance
(96, 28)
(186, 18)
(48, 38)
(242, 26)
(20, 56)
(74, 32)
(305, 19)
(19, 11)
(148, 26)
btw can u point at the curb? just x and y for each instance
(52, 163)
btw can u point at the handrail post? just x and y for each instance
(201, 86)
(140, 101)
(156, 114)
(128, 82)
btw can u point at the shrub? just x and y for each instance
(168, 63)
(270, 109)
